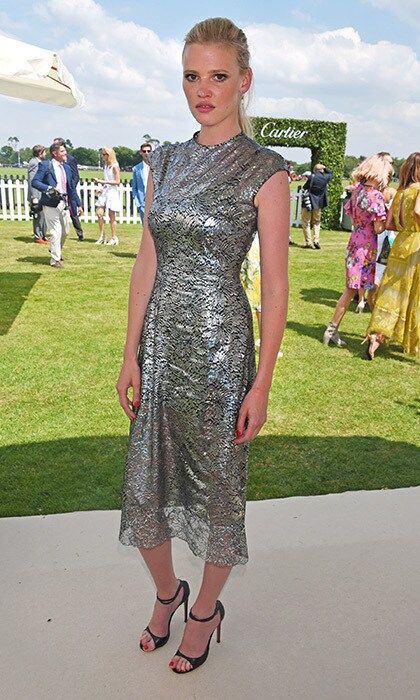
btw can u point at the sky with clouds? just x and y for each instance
(317, 59)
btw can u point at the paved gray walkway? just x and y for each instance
(327, 608)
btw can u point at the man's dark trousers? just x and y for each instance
(71, 160)
(77, 225)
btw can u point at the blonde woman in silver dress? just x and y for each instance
(189, 357)
(109, 197)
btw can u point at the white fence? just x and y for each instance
(14, 204)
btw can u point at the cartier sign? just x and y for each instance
(269, 129)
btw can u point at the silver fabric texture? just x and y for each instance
(184, 476)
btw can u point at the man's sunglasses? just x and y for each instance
(144, 150)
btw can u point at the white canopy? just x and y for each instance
(31, 73)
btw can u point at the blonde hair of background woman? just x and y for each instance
(219, 30)
(374, 168)
(111, 155)
(410, 171)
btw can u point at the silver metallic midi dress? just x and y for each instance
(184, 475)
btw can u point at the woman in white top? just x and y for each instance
(109, 197)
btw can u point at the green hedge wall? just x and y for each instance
(327, 141)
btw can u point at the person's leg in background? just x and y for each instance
(306, 227)
(113, 222)
(316, 225)
(38, 229)
(141, 212)
(100, 214)
(77, 226)
(65, 227)
(42, 225)
(53, 223)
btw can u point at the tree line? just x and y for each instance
(350, 163)
(128, 157)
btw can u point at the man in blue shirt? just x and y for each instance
(140, 175)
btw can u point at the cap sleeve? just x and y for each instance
(159, 161)
(266, 164)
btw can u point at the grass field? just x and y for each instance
(336, 422)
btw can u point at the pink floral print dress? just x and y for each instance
(365, 206)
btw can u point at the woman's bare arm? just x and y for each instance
(390, 221)
(115, 181)
(273, 231)
(141, 285)
(273, 202)
(379, 225)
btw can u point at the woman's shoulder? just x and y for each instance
(162, 154)
(265, 157)
(164, 150)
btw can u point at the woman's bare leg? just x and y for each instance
(196, 634)
(113, 222)
(159, 562)
(101, 221)
(342, 306)
(371, 297)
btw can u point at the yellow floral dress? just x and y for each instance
(396, 314)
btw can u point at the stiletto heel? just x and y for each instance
(186, 609)
(161, 641)
(198, 661)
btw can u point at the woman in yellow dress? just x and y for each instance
(251, 282)
(396, 314)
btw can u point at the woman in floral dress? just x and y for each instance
(367, 210)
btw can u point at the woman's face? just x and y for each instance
(105, 156)
(213, 83)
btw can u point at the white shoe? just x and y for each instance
(360, 306)
(100, 241)
(113, 241)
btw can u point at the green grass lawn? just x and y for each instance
(336, 422)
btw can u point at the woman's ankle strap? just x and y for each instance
(204, 619)
(168, 601)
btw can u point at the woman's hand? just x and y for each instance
(252, 415)
(129, 378)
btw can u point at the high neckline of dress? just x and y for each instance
(216, 145)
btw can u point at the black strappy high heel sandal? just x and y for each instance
(161, 641)
(198, 661)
